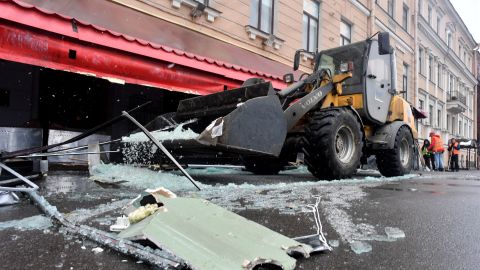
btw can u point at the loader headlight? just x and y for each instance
(346, 67)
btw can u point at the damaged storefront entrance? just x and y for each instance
(47, 106)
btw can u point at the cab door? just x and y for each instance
(379, 84)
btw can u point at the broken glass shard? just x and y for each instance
(360, 247)
(394, 233)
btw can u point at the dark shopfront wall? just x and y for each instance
(45, 98)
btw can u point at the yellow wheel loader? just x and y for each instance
(346, 110)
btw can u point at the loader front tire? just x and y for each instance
(399, 160)
(333, 144)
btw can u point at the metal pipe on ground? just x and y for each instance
(161, 147)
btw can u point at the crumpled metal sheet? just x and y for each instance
(209, 237)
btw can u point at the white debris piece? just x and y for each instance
(121, 224)
(334, 243)
(360, 247)
(177, 134)
(394, 233)
(97, 250)
(38, 222)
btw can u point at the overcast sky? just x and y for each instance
(469, 10)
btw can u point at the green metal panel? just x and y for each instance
(210, 237)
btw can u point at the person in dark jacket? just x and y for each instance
(453, 151)
(428, 155)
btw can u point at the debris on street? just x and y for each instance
(97, 250)
(38, 222)
(8, 198)
(207, 236)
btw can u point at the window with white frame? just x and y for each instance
(450, 83)
(439, 117)
(449, 39)
(460, 126)
(405, 17)
(430, 68)
(310, 25)
(429, 15)
(391, 7)
(345, 33)
(439, 75)
(420, 59)
(405, 81)
(262, 15)
(449, 121)
(431, 120)
(438, 24)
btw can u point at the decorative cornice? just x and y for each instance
(361, 7)
(212, 13)
(268, 39)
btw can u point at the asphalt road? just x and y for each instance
(438, 213)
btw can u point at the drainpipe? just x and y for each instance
(371, 18)
(415, 53)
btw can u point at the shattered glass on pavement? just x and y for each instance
(38, 222)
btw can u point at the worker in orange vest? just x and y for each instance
(436, 146)
(454, 150)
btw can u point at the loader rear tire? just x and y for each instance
(333, 144)
(399, 160)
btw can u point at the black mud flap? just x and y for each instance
(257, 126)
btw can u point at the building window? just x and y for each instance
(204, 2)
(390, 7)
(405, 81)
(420, 58)
(449, 39)
(450, 84)
(262, 15)
(430, 114)
(460, 126)
(439, 75)
(310, 25)
(430, 68)
(421, 104)
(405, 17)
(429, 18)
(438, 25)
(345, 33)
(439, 118)
(449, 128)
(420, 6)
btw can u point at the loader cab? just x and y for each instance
(373, 74)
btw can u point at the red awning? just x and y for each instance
(34, 36)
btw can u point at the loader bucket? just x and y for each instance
(256, 126)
